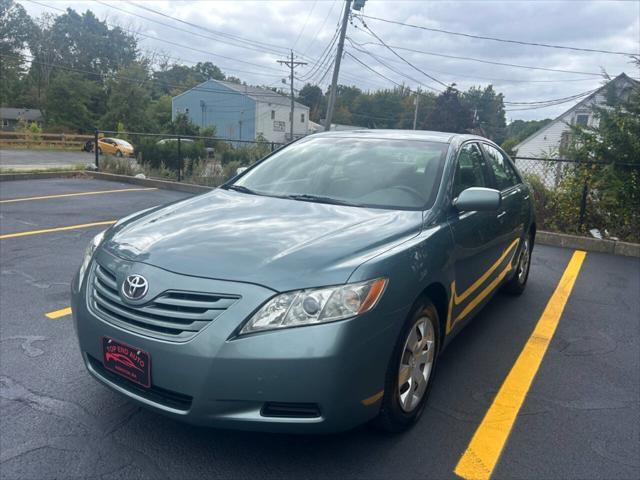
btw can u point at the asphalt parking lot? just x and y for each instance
(25, 159)
(580, 419)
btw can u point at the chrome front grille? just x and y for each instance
(172, 315)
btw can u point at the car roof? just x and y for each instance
(422, 135)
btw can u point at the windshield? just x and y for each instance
(373, 172)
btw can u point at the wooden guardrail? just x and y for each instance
(54, 140)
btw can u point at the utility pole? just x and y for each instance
(336, 67)
(292, 65)
(416, 101)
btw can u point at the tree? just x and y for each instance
(312, 97)
(128, 99)
(83, 42)
(182, 125)
(69, 100)
(613, 183)
(487, 108)
(449, 114)
(15, 29)
(207, 70)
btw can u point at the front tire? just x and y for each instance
(411, 369)
(118, 153)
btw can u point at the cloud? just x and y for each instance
(276, 25)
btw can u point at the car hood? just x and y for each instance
(279, 243)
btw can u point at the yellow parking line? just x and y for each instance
(63, 312)
(481, 456)
(56, 229)
(78, 194)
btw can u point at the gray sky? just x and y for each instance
(308, 26)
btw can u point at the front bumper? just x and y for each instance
(217, 380)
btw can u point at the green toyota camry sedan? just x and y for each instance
(314, 291)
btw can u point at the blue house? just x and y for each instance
(241, 112)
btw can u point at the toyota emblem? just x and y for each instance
(135, 287)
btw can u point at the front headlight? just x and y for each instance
(317, 305)
(88, 254)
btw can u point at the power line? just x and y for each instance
(401, 57)
(495, 79)
(216, 32)
(375, 57)
(571, 97)
(532, 105)
(305, 23)
(495, 39)
(164, 40)
(490, 62)
(168, 25)
(321, 27)
(323, 56)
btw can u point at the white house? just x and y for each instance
(242, 112)
(548, 142)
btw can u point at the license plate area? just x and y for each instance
(129, 362)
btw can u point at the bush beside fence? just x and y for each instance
(576, 197)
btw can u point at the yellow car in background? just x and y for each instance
(111, 146)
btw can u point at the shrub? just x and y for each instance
(118, 165)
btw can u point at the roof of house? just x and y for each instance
(259, 94)
(622, 77)
(10, 113)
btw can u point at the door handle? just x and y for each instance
(501, 214)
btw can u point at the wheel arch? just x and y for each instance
(437, 293)
(532, 230)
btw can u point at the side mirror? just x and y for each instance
(478, 198)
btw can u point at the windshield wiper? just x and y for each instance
(241, 188)
(320, 199)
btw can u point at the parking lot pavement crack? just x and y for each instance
(27, 346)
(13, 391)
(597, 344)
(617, 452)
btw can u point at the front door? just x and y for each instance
(504, 178)
(479, 253)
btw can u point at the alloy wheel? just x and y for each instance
(416, 364)
(523, 263)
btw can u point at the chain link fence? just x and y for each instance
(184, 158)
(585, 197)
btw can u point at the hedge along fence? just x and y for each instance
(575, 197)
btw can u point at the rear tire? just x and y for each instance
(518, 282)
(411, 369)
(99, 151)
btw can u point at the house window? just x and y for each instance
(5, 122)
(582, 119)
(273, 114)
(564, 141)
(302, 118)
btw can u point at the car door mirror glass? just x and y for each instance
(478, 198)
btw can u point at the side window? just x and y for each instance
(503, 172)
(469, 170)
